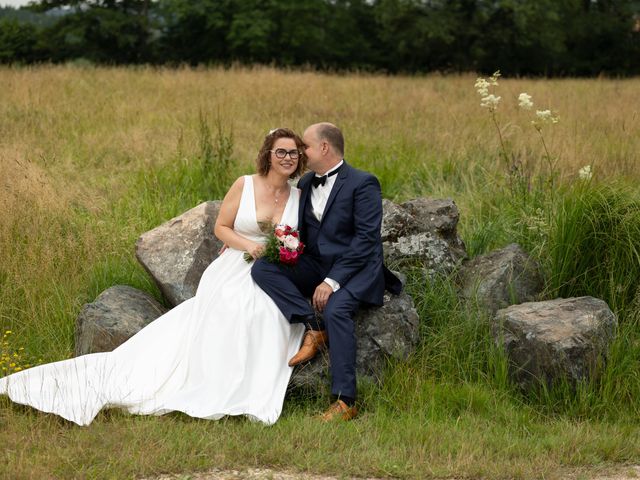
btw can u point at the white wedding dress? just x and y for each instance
(222, 352)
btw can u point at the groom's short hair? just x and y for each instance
(333, 135)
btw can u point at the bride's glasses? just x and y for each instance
(282, 153)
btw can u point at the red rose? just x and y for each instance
(288, 257)
(284, 255)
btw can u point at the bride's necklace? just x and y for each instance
(276, 193)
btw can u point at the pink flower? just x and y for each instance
(286, 256)
(291, 242)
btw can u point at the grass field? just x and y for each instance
(92, 157)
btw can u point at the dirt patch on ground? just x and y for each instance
(622, 472)
(251, 474)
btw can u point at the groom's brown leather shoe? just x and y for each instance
(314, 341)
(339, 411)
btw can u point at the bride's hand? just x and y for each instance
(255, 250)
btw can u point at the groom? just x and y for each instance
(340, 218)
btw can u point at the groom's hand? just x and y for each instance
(321, 296)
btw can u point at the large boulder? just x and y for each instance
(390, 331)
(562, 339)
(177, 252)
(501, 278)
(116, 315)
(422, 232)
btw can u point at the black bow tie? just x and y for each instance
(323, 179)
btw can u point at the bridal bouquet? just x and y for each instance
(283, 246)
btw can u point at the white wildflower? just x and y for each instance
(546, 116)
(494, 78)
(482, 87)
(543, 115)
(490, 101)
(537, 222)
(585, 173)
(524, 100)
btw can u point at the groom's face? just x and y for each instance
(313, 149)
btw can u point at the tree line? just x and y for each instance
(521, 37)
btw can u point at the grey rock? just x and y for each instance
(554, 340)
(422, 232)
(396, 221)
(116, 315)
(390, 331)
(501, 278)
(432, 214)
(177, 252)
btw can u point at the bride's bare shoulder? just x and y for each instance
(238, 184)
(235, 191)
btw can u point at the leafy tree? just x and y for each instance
(104, 31)
(195, 32)
(602, 37)
(352, 39)
(300, 33)
(17, 41)
(26, 16)
(418, 35)
(522, 37)
(253, 32)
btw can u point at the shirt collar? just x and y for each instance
(331, 170)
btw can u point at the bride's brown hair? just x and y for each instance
(263, 162)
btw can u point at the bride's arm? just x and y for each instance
(227, 216)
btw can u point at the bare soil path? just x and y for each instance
(621, 472)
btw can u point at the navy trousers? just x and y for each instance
(290, 288)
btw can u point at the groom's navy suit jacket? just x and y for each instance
(348, 235)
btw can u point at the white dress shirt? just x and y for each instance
(320, 194)
(319, 197)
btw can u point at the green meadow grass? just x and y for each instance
(90, 158)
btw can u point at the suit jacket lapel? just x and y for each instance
(305, 195)
(340, 181)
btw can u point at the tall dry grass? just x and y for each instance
(83, 122)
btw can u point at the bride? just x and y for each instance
(222, 352)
